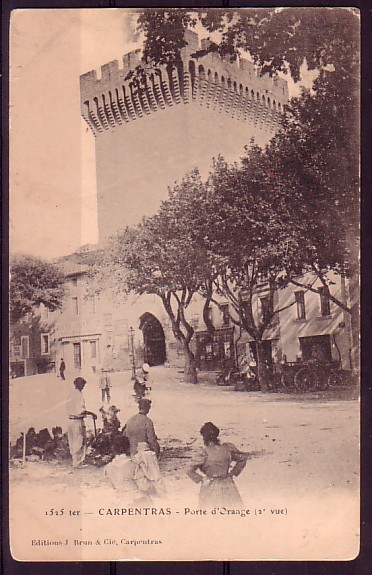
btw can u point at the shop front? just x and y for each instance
(215, 351)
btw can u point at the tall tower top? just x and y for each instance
(236, 88)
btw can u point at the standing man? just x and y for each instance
(140, 428)
(77, 435)
(62, 368)
(140, 382)
(105, 385)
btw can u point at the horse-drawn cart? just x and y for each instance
(303, 376)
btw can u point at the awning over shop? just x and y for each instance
(80, 337)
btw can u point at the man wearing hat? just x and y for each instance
(105, 385)
(140, 428)
(62, 368)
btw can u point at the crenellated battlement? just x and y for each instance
(232, 88)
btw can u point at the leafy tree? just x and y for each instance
(164, 34)
(310, 157)
(34, 282)
(318, 141)
(279, 40)
(160, 257)
(311, 167)
(244, 228)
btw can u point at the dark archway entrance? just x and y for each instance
(153, 340)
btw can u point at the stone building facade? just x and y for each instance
(94, 331)
(91, 332)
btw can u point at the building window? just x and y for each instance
(91, 301)
(208, 351)
(25, 346)
(266, 308)
(45, 348)
(77, 355)
(108, 320)
(300, 302)
(225, 314)
(16, 350)
(75, 305)
(325, 304)
(93, 349)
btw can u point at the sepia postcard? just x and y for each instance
(184, 284)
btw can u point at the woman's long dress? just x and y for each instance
(214, 462)
(77, 437)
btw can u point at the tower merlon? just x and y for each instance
(111, 74)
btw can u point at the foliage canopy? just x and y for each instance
(34, 282)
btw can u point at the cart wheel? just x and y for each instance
(335, 380)
(305, 380)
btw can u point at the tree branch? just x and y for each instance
(166, 299)
(187, 326)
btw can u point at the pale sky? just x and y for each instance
(52, 156)
(52, 161)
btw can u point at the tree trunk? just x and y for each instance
(262, 368)
(355, 325)
(208, 323)
(190, 375)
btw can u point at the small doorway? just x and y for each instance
(77, 355)
(153, 340)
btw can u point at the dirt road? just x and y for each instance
(307, 443)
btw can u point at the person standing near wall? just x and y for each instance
(62, 368)
(105, 385)
(77, 436)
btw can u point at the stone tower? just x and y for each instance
(148, 139)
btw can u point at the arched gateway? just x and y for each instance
(153, 339)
